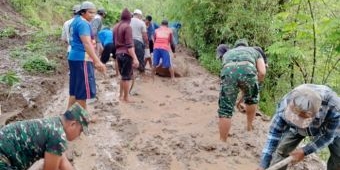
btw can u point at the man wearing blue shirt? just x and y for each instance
(308, 110)
(106, 37)
(82, 58)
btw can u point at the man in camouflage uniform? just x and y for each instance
(243, 69)
(25, 142)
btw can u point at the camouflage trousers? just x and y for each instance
(233, 79)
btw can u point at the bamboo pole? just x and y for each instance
(281, 164)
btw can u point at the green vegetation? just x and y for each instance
(7, 33)
(20, 53)
(10, 79)
(300, 37)
(39, 64)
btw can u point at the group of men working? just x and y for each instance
(308, 110)
(23, 143)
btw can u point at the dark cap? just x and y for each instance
(101, 11)
(221, 49)
(164, 22)
(241, 42)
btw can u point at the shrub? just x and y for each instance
(10, 78)
(7, 33)
(39, 64)
(19, 53)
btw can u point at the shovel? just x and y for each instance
(281, 164)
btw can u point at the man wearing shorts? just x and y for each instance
(243, 69)
(82, 57)
(125, 53)
(163, 43)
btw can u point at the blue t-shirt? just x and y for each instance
(106, 36)
(79, 27)
(151, 31)
(155, 26)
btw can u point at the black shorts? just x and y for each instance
(108, 50)
(125, 66)
(151, 46)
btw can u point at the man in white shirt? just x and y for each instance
(65, 36)
(140, 37)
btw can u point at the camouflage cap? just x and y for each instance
(304, 101)
(241, 42)
(78, 113)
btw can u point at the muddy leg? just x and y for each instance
(251, 111)
(224, 127)
(71, 101)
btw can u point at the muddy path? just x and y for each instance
(169, 127)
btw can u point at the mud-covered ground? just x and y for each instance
(169, 127)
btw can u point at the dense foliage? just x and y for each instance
(301, 38)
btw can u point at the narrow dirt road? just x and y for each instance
(168, 127)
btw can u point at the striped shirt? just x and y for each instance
(324, 128)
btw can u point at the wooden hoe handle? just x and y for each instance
(281, 163)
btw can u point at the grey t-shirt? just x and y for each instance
(138, 27)
(96, 25)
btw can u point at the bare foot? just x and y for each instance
(121, 98)
(173, 81)
(128, 101)
(250, 128)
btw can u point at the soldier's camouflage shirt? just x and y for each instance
(241, 54)
(25, 142)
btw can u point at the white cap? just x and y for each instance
(87, 5)
(138, 11)
(76, 8)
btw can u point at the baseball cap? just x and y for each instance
(303, 101)
(76, 8)
(78, 113)
(87, 5)
(101, 11)
(137, 11)
(241, 42)
(221, 49)
(164, 22)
